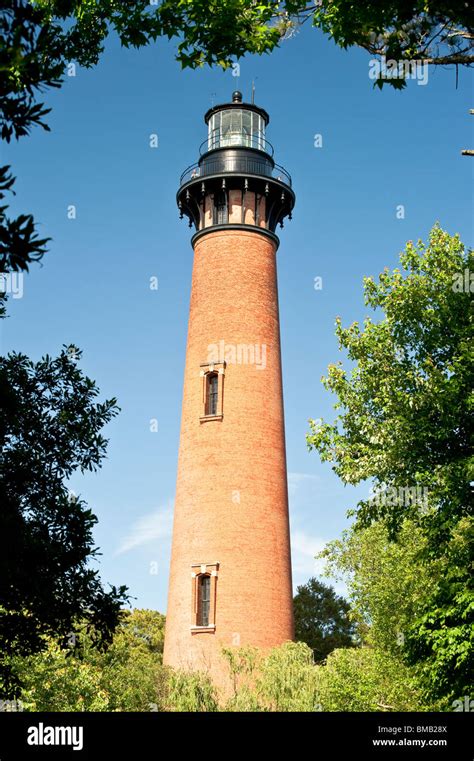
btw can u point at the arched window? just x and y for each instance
(211, 376)
(203, 596)
(220, 208)
(212, 394)
(204, 600)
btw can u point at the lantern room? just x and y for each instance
(237, 124)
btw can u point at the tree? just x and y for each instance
(40, 39)
(434, 33)
(404, 421)
(368, 679)
(50, 424)
(282, 679)
(19, 243)
(124, 678)
(321, 619)
(55, 681)
(131, 668)
(388, 582)
(288, 679)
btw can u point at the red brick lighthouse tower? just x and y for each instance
(230, 577)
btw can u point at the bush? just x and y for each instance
(191, 691)
(367, 679)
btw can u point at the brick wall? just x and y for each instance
(231, 503)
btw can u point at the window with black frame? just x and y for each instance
(204, 600)
(220, 208)
(212, 394)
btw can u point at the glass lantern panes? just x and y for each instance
(236, 126)
(247, 128)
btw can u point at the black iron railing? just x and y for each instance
(235, 165)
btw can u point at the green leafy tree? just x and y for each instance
(321, 619)
(54, 681)
(131, 668)
(387, 584)
(283, 679)
(368, 679)
(387, 581)
(19, 242)
(433, 32)
(288, 679)
(50, 427)
(126, 677)
(405, 421)
(191, 691)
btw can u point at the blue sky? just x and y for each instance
(379, 150)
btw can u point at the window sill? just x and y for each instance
(205, 418)
(210, 628)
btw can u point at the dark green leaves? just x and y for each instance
(405, 423)
(50, 427)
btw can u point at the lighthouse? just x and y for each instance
(230, 575)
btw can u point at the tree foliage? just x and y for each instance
(368, 679)
(321, 619)
(283, 679)
(50, 427)
(191, 691)
(19, 242)
(40, 38)
(430, 31)
(387, 581)
(405, 421)
(124, 678)
(286, 679)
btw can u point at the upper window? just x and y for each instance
(220, 208)
(212, 378)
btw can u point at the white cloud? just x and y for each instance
(306, 544)
(303, 550)
(296, 479)
(150, 527)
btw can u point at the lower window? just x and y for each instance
(204, 600)
(204, 595)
